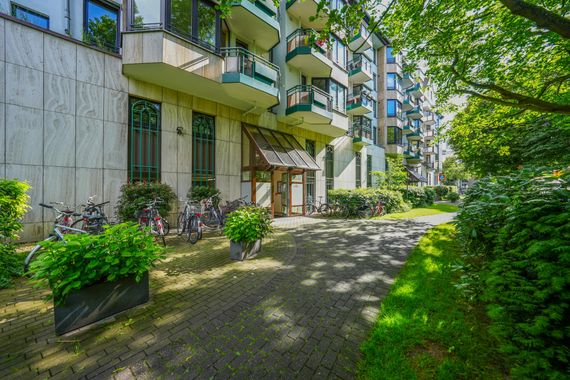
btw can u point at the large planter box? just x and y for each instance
(99, 301)
(241, 251)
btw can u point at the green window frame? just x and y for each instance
(369, 171)
(329, 169)
(144, 141)
(311, 174)
(358, 169)
(203, 150)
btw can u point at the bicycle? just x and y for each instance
(377, 209)
(189, 222)
(62, 226)
(211, 217)
(150, 217)
(93, 218)
(322, 208)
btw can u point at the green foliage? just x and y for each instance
(418, 196)
(82, 260)
(516, 234)
(455, 170)
(248, 224)
(441, 191)
(425, 329)
(135, 195)
(354, 198)
(199, 193)
(494, 140)
(102, 32)
(13, 206)
(395, 175)
(453, 197)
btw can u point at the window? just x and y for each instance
(335, 89)
(394, 108)
(203, 150)
(394, 135)
(311, 174)
(30, 16)
(101, 25)
(146, 13)
(374, 82)
(339, 52)
(144, 141)
(207, 23)
(390, 58)
(358, 169)
(180, 20)
(329, 169)
(368, 171)
(393, 81)
(195, 20)
(375, 135)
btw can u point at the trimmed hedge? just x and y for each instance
(516, 235)
(135, 195)
(418, 196)
(393, 200)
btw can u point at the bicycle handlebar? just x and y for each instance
(44, 205)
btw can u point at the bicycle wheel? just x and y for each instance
(166, 226)
(34, 253)
(193, 229)
(325, 209)
(79, 224)
(180, 227)
(309, 209)
(158, 231)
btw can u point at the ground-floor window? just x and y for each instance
(358, 169)
(369, 171)
(144, 141)
(203, 150)
(311, 174)
(329, 169)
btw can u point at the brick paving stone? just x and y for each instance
(298, 310)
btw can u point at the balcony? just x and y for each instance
(407, 104)
(416, 135)
(429, 119)
(407, 80)
(360, 69)
(415, 91)
(303, 10)
(415, 113)
(255, 21)
(250, 77)
(361, 131)
(360, 42)
(414, 159)
(409, 129)
(429, 135)
(360, 104)
(307, 54)
(429, 151)
(310, 104)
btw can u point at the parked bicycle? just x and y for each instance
(150, 217)
(321, 207)
(211, 216)
(93, 218)
(189, 222)
(62, 225)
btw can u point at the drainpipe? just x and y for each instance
(68, 17)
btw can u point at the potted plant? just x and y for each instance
(245, 227)
(95, 276)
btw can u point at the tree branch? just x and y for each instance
(540, 16)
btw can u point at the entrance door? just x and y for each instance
(285, 193)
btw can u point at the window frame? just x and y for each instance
(132, 101)
(211, 170)
(110, 6)
(358, 170)
(15, 6)
(390, 57)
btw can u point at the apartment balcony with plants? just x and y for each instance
(361, 131)
(308, 54)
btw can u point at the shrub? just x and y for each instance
(248, 224)
(199, 193)
(516, 232)
(82, 260)
(135, 195)
(453, 197)
(13, 206)
(393, 200)
(441, 191)
(418, 196)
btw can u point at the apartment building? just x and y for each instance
(97, 93)
(410, 123)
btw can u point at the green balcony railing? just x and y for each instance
(305, 40)
(360, 63)
(308, 95)
(242, 61)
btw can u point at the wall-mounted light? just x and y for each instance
(179, 130)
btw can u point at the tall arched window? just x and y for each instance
(144, 141)
(203, 150)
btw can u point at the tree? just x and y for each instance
(454, 170)
(395, 175)
(493, 139)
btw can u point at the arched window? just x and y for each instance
(144, 141)
(203, 150)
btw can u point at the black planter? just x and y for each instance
(241, 251)
(99, 301)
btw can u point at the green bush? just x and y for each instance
(13, 206)
(248, 224)
(82, 260)
(135, 195)
(418, 196)
(199, 193)
(441, 191)
(516, 234)
(354, 198)
(452, 196)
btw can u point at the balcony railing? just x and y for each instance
(242, 61)
(307, 38)
(309, 95)
(362, 127)
(360, 61)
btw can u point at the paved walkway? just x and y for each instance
(300, 309)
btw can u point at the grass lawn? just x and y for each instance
(422, 211)
(426, 330)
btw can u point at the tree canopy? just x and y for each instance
(454, 170)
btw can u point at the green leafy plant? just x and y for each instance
(395, 175)
(354, 198)
(121, 250)
(135, 195)
(418, 196)
(199, 193)
(452, 196)
(248, 224)
(13, 205)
